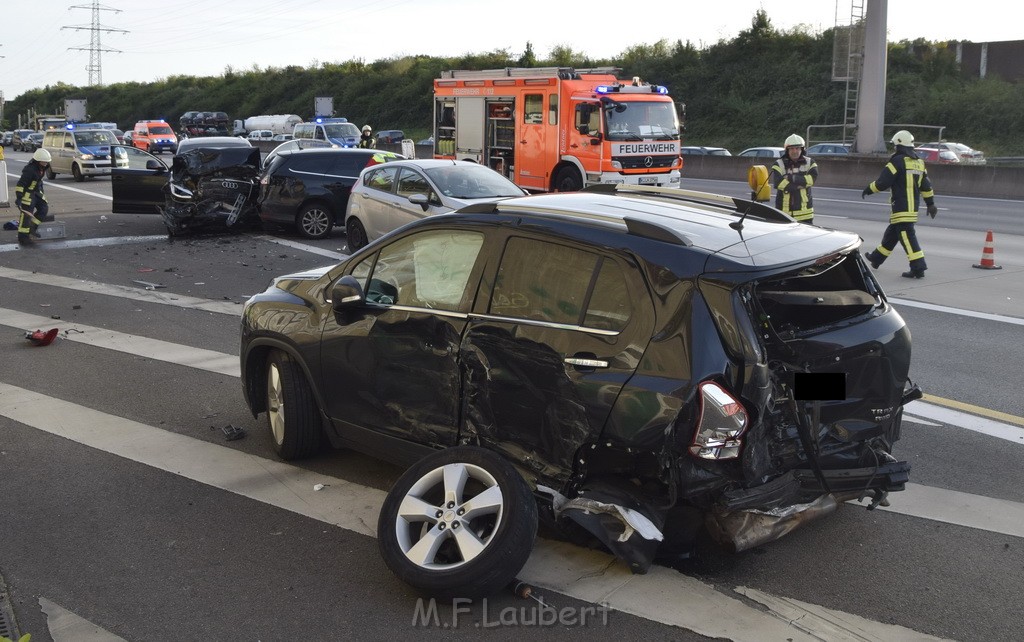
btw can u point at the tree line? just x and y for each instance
(754, 89)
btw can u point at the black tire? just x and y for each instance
(292, 414)
(355, 234)
(76, 171)
(314, 221)
(568, 180)
(478, 554)
(50, 175)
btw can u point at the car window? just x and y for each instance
(412, 182)
(314, 164)
(609, 307)
(382, 179)
(548, 282)
(348, 164)
(426, 270)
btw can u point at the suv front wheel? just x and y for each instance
(314, 221)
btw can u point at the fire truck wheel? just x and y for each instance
(568, 180)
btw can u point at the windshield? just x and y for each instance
(341, 130)
(471, 181)
(160, 129)
(97, 137)
(640, 121)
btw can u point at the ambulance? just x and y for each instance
(559, 129)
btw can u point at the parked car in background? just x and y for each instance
(308, 189)
(387, 197)
(118, 134)
(763, 152)
(282, 137)
(966, 154)
(390, 136)
(704, 151)
(641, 362)
(827, 149)
(19, 139)
(426, 141)
(32, 142)
(261, 134)
(941, 156)
(7, 138)
(126, 138)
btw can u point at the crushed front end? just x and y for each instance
(211, 187)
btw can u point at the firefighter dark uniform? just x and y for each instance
(907, 179)
(30, 197)
(366, 139)
(792, 179)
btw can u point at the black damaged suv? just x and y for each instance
(630, 364)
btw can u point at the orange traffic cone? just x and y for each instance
(988, 255)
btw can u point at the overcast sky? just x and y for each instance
(204, 37)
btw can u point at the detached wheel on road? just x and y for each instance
(355, 234)
(292, 413)
(459, 523)
(76, 171)
(568, 180)
(314, 221)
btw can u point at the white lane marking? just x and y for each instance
(983, 425)
(962, 509)
(580, 573)
(312, 249)
(76, 243)
(967, 313)
(198, 358)
(837, 626)
(918, 420)
(65, 626)
(123, 291)
(67, 187)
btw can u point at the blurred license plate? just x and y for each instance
(648, 180)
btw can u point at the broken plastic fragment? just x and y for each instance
(318, 487)
(231, 433)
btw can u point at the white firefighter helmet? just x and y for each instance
(903, 137)
(41, 156)
(367, 128)
(795, 140)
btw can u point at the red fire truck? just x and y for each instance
(558, 128)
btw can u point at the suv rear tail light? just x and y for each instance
(723, 420)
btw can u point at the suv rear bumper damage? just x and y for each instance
(738, 526)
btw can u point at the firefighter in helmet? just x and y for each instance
(907, 179)
(793, 175)
(30, 198)
(366, 140)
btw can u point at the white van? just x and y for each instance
(261, 134)
(79, 152)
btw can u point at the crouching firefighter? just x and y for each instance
(30, 198)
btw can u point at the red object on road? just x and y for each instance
(41, 338)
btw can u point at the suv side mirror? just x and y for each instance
(346, 293)
(155, 164)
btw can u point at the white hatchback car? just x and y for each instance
(763, 152)
(388, 196)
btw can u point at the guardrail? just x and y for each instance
(992, 180)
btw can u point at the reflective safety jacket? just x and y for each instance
(907, 179)
(793, 181)
(367, 142)
(30, 186)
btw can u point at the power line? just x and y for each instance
(95, 67)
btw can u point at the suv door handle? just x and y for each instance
(580, 362)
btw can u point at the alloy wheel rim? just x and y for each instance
(275, 404)
(449, 516)
(315, 222)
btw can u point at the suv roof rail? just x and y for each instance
(634, 226)
(739, 206)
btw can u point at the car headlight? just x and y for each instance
(87, 157)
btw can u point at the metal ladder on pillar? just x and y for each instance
(848, 61)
